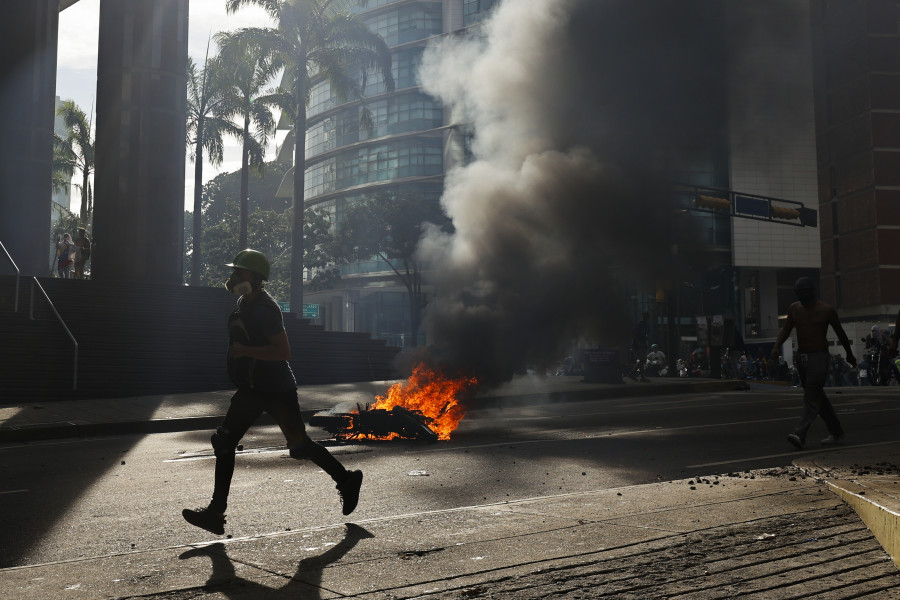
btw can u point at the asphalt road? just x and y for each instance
(97, 497)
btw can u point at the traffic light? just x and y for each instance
(780, 212)
(711, 203)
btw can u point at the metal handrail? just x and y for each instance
(16, 267)
(37, 283)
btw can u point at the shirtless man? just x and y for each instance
(811, 317)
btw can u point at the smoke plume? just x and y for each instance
(580, 110)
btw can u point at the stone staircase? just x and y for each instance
(136, 340)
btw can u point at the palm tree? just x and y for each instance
(317, 40)
(63, 164)
(205, 125)
(246, 70)
(81, 146)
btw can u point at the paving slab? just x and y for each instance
(438, 551)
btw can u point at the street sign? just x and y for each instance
(311, 311)
(747, 205)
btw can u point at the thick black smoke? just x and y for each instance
(583, 110)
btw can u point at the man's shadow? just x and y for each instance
(305, 584)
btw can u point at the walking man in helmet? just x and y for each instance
(811, 317)
(258, 355)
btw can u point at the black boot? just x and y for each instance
(205, 518)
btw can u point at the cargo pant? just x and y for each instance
(813, 370)
(246, 407)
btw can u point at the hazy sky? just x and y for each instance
(77, 65)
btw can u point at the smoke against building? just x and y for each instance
(581, 112)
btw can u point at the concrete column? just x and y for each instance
(28, 32)
(141, 98)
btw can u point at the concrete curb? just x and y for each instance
(32, 433)
(53, 431)
(871, 506)
(873, 497)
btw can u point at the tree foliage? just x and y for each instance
(64, 163)
(268, 230)
(246, 71)
(206, 123)
(316, 40)
(81, 152)
(389, 226)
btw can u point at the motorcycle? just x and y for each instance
(654, 368)
(879, 361)
(408, 424)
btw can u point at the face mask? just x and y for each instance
(240, 288)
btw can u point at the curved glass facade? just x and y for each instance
(416, 156)
(401, 113)
(404, 68)
(475, 11)
(402, 153)
(407, 23)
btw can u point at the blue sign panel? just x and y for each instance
(746, 205)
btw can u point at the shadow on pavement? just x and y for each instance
(306, 582)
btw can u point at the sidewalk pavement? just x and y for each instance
(753, 533)
(30, 421)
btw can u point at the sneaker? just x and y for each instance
(205, 518)
(349, 491)
(832, 439)
(795, 440)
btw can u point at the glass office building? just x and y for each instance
(751, 146)
(406, 151)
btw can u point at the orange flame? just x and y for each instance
(431, 393)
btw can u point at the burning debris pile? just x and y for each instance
(426, 406)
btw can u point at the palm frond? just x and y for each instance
(256, 152)
(63, 163)
(272, 7)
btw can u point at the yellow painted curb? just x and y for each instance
(870, 505)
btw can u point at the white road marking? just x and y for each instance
(645, 407)
(818, 450)
(637, 432)
(602, 434)
(13, 491)
(208, 455)
(36, 443)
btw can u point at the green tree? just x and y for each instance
(80, 141)
(205, 125)
(317, 40)
(246, 70)
(64, 160)
(269, 229)
(388, 226)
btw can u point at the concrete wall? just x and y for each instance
(28, 32)
(772, 128)
(141, 97)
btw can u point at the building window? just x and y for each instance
(405, 69)
(475, 11)
(408, 157)
(407, 23)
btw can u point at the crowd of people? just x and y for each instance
(878, 364)
(812, 367)
(72, 255)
